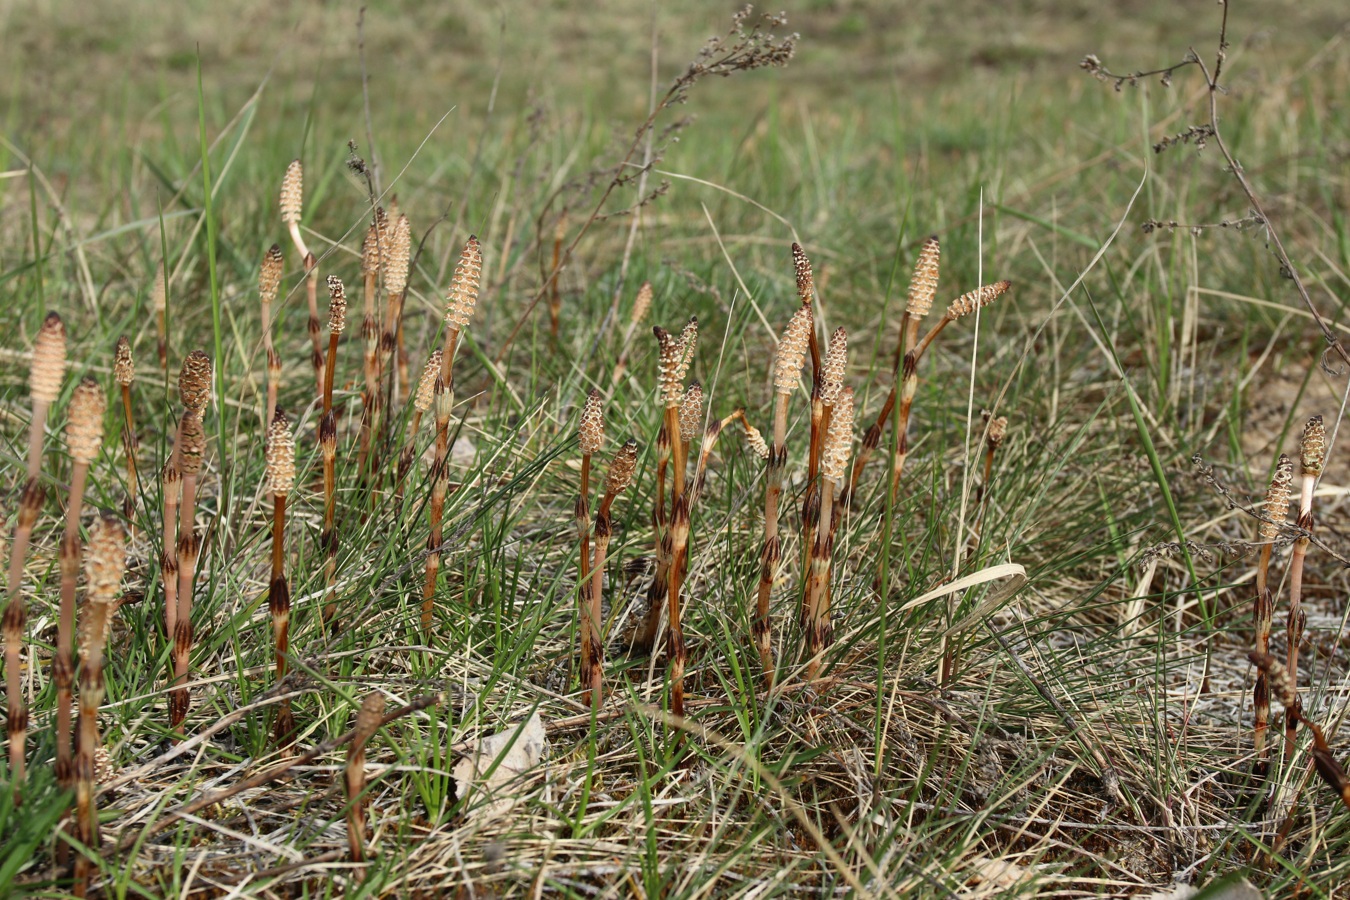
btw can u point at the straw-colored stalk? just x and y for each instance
(909, 378)
(370, 340)
(104, 568)
(84, 438)
(171, 489)
(995, 432)
(816, 627)
(922, 288)
(672, 391)
(48, 370)
(291, 203)
(422, 400)
(159, 302)
(443, 402)
(590, 439)
(554, 291)
(396, 256)
(792, 350)
(269, 283)
(641, 304)
(675, 356)
(1263, 613)
(823, 397)
(620, 475)
(194, 390)
(337, 321)
(1312, 456)
(124, 373)
(280, 480)
(367, 723)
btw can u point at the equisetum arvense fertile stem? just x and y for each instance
(590, 440)
(621, 470)
(1312, 456)
(1263, 614)
(124, 373)
(279, 478)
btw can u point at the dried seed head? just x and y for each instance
(691, 411)
(292, 193)
(194, 382)
(792, 347)
(832, 369)
(159, 290)
(977, 299)
(369, 715)
(399, 255)
(124, 365)
(337, 305)
(923, 281)
(756, 440)
(1281, 685)
(269, 276)
(998, 430)
(688, 344)
(280, 475)
(191, 443)
(806, 284)
(463, 293)
(105, 560)
(839, 439)
(642, 302)
(426, 387)
(1277, 499)
(370, 249)
(621, 469)
(591, 432)
(49, 360)
(105, 769)
(668, 363)
(84, 427)
(1312, 452)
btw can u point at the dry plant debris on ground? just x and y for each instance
(622, 595)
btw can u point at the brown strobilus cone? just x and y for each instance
(279, 480)
(337, 320)
(816, 627)
(1277, 512)
(124, 373)
(422, 401)
(291, 203)
(194, 390)
(1312, 456)
(48, 371)
(84, 439)
(590, 439)
(621, 471)
(370, 342)
(269, 284)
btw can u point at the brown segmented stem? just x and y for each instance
(806, 292)
(590, 438)
(643, 638)
(1263, 612)
(440, 483)
(816, 628)
(367, 723)
(995, 430)
(269, 283)
(370, 339)
(337, 321)
(312, 325)
(422, 401)
(103, 570)
(1312, 456)
(84, 437)
(328, 540)
(191, 446)
(279, 479)
(823, 396)
(171, 489)
(621, 470)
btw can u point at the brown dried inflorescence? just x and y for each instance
(591, 431)
(1277, 499)
(194, 382)
(84, 432)
(398, 255)
(1312, 451)
(292, 193)
(49, 360)
(280, 474)
(672, 392)
(688, 344)
(839, 439)
(426, 386)
(977, 299)
(370, 249)
(755, 439)
(462, 297)
(923, 282)
(191, 444)
(832, 370)
(124, 364)
(806, 285)
(998, 431)
(792, 348)
(691, 411)
(269, 276)
(337, 305)
(105, 563)
(621, 469)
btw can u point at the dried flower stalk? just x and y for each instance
(590, 439)
(396, 250)
(1312, 456)
(443, 403)
(269, 283)
(370, 339)
(104, 568)
(367, 723)
(422, 400)
(84, 438)
(1277, 511)
(124, 372)
(823, 396)
(816, 627)
(48, 370)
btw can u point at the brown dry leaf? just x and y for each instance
(515, 751)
